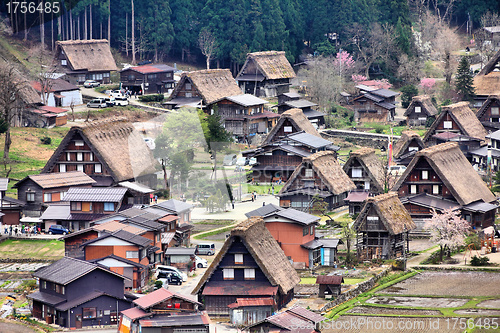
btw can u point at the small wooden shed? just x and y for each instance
(329, 285)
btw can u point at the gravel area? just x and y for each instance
(478, 312)
(448, 283)
(491, 303)
(396, 312)
(15, 328)
(426, 302)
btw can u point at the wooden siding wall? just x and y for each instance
(487, 114)
(423, 185)
(72, 245)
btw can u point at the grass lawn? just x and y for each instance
(307, 280)
(32, 248)
(262, 189)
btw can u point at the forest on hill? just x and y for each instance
(159, 29)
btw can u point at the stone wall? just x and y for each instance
(372, 140)
(359, 289)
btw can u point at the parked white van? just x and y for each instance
(205, 249)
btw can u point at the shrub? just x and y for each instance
(152, 98)
(46, 140)
(483, 261)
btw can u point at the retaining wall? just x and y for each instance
(372, 140)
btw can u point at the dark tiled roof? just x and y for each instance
(304, 313)
(329, 279)
(239, 288)
(123, 235)
(174, 205)
(112, 256)
(177, 320)
(95, 194)
(134, 313)
(264, 210)
(309, 140)
(298, 216)
(60, 179)
(172, 251)
(158, 296)
(311, 245)
(80, 300)
(57, 212)
(46, 298)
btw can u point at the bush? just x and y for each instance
(378, 128)
(46, 140)
(152, 98)
(483, 261)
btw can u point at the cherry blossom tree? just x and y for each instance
(427, 85)
(448, 230)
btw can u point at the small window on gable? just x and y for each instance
(68, 156)
(189, 94)
(79, 167)
(79, 156)
(495, 110)
(97, 168)
(413, 189)
(109, 206)
(447, 124)
(64, 62)
(249, 273)
(228, 273)
(79, 143)
(435, 189)
(238, 258)
(62, 167)
(309, 173)
(425, 174)
(418, 109)
(188, 86)
(287, 129)
(357, 172)
(30, 196)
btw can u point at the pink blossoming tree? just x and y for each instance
(427, 85)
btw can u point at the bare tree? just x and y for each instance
(490, 19)
(12, 102)
(132, 30)
(45, 68)
(208, 45)
(409, 69)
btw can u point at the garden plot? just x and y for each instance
(31, 267)
(478, 312)
(448, 283)
(390, 311)
(491, 303)
(420, 302)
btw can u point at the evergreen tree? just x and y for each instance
(464, 80)
(407, 93)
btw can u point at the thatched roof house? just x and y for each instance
(86, 60)
(372, 169)
(290, 121)
(406, 147)
(266, 74)
(419, 110)
(110, 148)
(487, 81)
(489, 113)
(454, 170)
(273, 273)
(457, 118)
(208, 85)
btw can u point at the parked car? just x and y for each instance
(170, 269)
(170, 277)
(252, 161)
(110, 101)
(121, 101)
(205, 249)
(229, 159)
(91, 84)
(200, 262)
(97, 103)
(397, 170)
(57, 229)
(242, 161)
(150, 142)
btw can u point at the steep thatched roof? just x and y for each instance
(299, 122)
(404, 141)
(265, 251)
(371, 163)
(464, 117)
(326, 166)
(390, 211)
(118, 146)
(272, 64)
(486, 106)
(456, 172)
(91, 55)
(212, 84)
(425, 101)
(487, 81)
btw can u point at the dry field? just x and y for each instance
(448, 283)
(391, 311)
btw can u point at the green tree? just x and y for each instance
(407, 93)
(185, 24)
(464, 81)
(348, 236)
(157, 26)
(216, 136)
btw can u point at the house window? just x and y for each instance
(238, 258)
(305, 231)
(425, 174)
(189, 94)
(62, 167)
(188, 86)
(447, 124)
(105, 74)
(89, 313)
(131, 77)
(79, 156)
(97, 168)
(79, 167)
(91, 156)
(30, 196)
(44, 284)
(132, 254)
(60, 289)
(47, 197)
(418, 109)
(311, 230)
(86, 206)
(249, 273)
(76, 205)
(152, 76)
(296, 204)
(79, 143)
(68, 156)
(64, 62)
(435, 189)
(98, 76)
(367, 185)
(413, 189)
(109, 207)
(412, 149)
(309, 173)
(495, 111)
(186, 217)
(228, 273)
(287, 129)
(357, 172)
(61, 195)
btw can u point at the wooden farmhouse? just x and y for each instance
(44, 116)
(250, 264)
(457, 122)
(487, 81)
(41, 190)
(440, 177)
(480, 155)
(10, 208)
(368, 173)
(109, 151)
(293, 100)
(59, 92)
(164, 311)
(329, 285)
(290, 122)
(148, 79)
(382, 227)
(266, 74)
(319, 174)
(376, 106)
(277, 160)
(406, 147)
(203, 89)
(69, 296)
(421, 111)
(245, 116)
(489, 113)
(84, 60)
(293, 320)
(248, 311)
